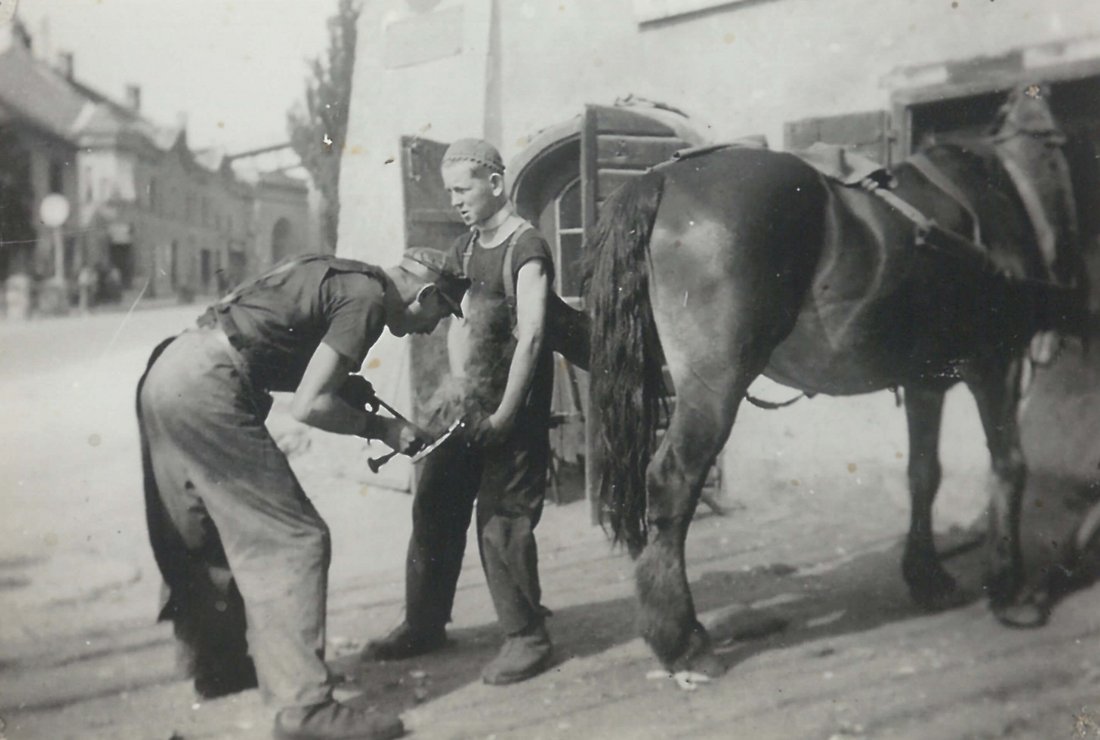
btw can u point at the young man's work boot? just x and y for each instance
(405, 641)
(213, 681)
(331, 720)
(521, 657)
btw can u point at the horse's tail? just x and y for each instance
(626, 374)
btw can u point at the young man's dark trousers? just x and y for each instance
(508, 484)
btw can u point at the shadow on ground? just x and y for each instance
(747, 611)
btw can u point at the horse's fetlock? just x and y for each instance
(665, 524)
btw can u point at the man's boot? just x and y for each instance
(405, 641)
(521, 657)
(331, 720)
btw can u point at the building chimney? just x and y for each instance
(65, 64)
(133, 98)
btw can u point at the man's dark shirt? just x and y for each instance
(277, 322)
(489, 317)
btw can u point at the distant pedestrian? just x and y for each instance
(111, 284)
(87, 284)
(221, 280)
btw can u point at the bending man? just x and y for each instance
(238, 542)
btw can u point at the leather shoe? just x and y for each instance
(331, 720)
(405, 641)
(221, 680)
(520, 658)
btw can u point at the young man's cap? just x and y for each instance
(476, 151)
(437, 268)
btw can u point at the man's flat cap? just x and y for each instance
(436, 267)
(476, 151)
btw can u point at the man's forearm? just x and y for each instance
(332, 414)
(520, 373)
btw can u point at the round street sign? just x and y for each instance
(54, 210)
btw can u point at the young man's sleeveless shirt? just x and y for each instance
(489, 318)
(277, 322)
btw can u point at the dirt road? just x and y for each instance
(799, 583)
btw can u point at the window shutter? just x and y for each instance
(866, 133)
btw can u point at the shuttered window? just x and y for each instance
(866, 133)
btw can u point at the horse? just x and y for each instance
(716, 268)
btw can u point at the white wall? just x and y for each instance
(747, 69)
(442, 99)
(739, 69)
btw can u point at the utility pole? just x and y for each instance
(54, 212)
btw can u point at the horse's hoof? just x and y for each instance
(707, 664)
(1027, 614)
(699, 660)
(1003, 588)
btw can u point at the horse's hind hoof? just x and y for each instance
(706, 663)
(1027, 614)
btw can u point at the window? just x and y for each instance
(570, 241)
(57, 176)
(173, 264)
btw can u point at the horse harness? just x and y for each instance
(931, 234)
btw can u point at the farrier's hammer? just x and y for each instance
(375, 463)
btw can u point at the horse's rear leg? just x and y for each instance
(929, 584)
(997, 392)
(706, 404)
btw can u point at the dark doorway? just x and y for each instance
(280, 240)
(173, 264)
(205, 269)
(122, 258)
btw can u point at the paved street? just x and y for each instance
(799, 583)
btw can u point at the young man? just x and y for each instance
(238, 542)
(503, 464)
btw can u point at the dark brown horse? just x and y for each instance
(739, 262)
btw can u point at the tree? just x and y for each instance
(318, 130)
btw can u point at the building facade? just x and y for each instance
(152, 215)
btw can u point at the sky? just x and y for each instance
(234, 67)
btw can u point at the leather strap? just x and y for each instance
(506, 269)
(1036, 213)
(935, 176)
